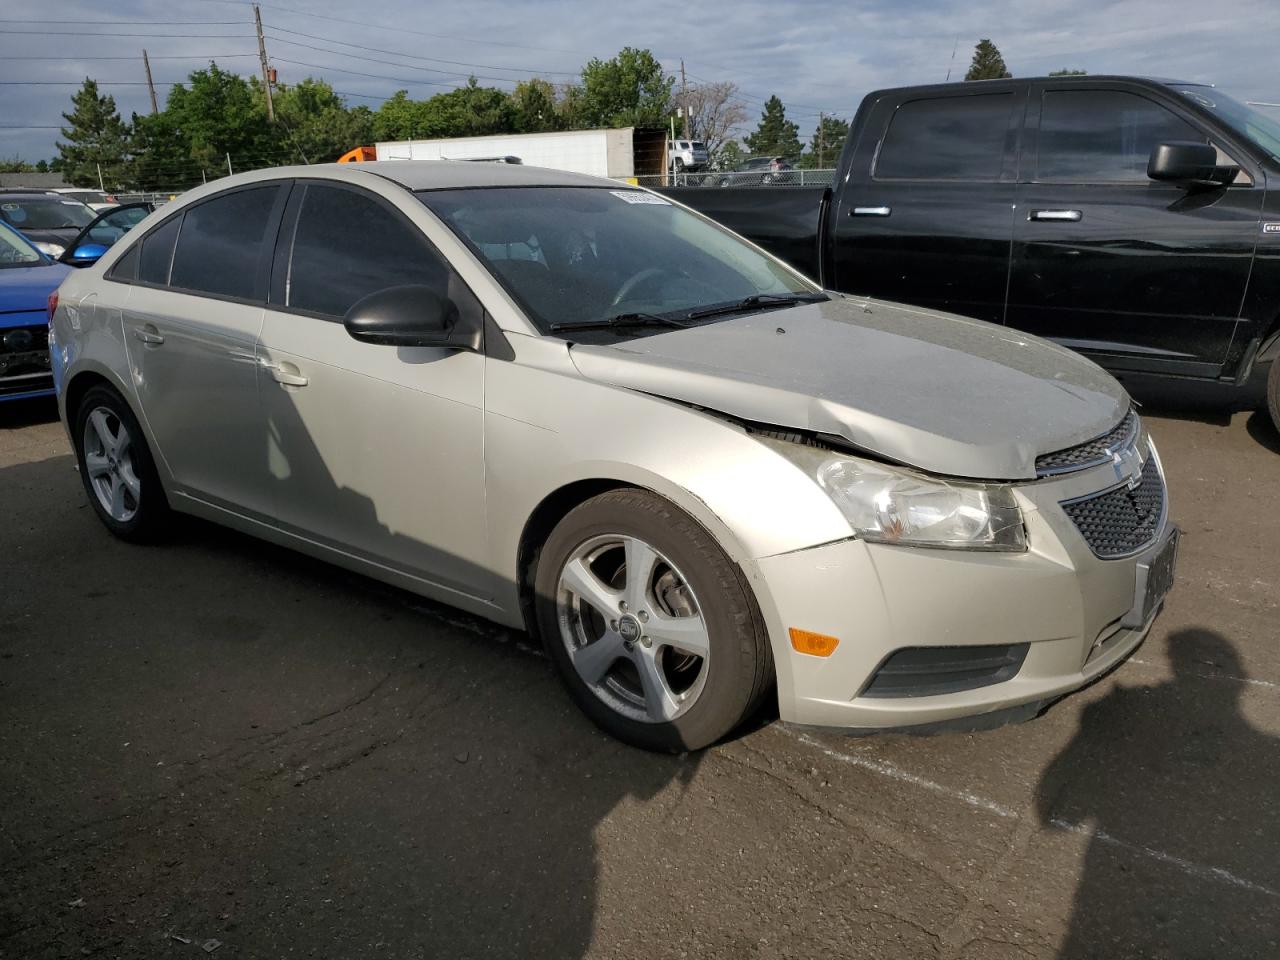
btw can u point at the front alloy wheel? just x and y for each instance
(650, 624)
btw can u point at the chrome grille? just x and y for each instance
(1123, 520)
(1090, 453)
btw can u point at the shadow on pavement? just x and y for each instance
(1144, 759)
(221, 739)
(25, 413)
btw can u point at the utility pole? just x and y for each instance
(230, 172)
(954, 47)
(262, 58)
(101, 186)
(822, 156)
(684, 100)
(151, 87)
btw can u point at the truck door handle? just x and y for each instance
(285, 373)
(148, 335)
(1070, 216)
(870, 211)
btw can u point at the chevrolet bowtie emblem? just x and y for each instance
(1128, 467)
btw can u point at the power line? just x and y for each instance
(183, 56)
(105, 36)
(407, 56)
(380, 76)
(141, 23)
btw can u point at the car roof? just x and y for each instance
(27, 192)
(449, 174)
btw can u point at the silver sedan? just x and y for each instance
(577, 408)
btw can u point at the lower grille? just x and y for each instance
(929, 671)
(1121, 521)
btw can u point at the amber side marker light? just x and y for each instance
(814, 644)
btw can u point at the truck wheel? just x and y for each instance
(116, 468)
(1273, 393)
(650, 625)
(678, 165)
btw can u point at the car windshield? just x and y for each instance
(1262, 129)
(44, 213)
(16, 250)
(572, 255)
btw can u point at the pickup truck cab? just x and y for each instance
(1128, 219)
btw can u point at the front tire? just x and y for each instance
(116, 467)
(651, 626)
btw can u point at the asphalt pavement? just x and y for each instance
(218, 747)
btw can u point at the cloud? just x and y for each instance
(820, 56)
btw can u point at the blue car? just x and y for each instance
(27, 279)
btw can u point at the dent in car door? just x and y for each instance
(375, 450)
(1139, 275)
(191, 328)
(925, 216)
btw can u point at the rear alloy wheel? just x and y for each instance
(649, 623)
(116, 467)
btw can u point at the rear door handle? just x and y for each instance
(1068, 216)
(149, 335)
(285, 373)
(870, 211)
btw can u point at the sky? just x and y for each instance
(818, 56)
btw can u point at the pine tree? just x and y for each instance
(826, 144)
(776, 135)
(97, 138)
(987, 63)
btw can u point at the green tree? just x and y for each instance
(535, 107)
(468, 111)
(630, 90)
(42, 166)
(1068, 73)
(826, 144)
(729, 156)
(162, 154)
(987, 63)
(776, 135)
(221, 114)
(97, 140)
(399, 118)
(317, 126)
(15, 165)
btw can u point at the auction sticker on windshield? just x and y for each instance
(636, 196)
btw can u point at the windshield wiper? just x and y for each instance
(621, 320)
(755, 302)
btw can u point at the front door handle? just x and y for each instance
(149, 335)
(1067, 216)
(870, 211)
(285, 373)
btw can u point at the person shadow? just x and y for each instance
(1176, 791)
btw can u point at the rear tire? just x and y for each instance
(623, 579)
(1273, 393)
(116, 467)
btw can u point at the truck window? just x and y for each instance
(947, 138)
(1102, 136)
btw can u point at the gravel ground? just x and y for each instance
(216, 743)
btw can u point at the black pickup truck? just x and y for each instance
(1126, 218)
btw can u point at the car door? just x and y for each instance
(375, 450)
(925, 215)
(191, 323)
(1137, 274)
(104, 231)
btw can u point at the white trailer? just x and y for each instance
(621, 154)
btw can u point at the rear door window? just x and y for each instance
(947, 138)
(221, 243)
(1102, 136)
(347, 245)
(157, 253)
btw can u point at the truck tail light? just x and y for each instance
(53, 306)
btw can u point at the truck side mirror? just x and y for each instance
(1189, 162)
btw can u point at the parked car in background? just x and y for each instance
(28, 279)
(688, 155)
(578, 408)
(96, 199)
(1136, 221)
(48, 220)
(755, 171)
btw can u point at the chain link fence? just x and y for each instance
(741, 178)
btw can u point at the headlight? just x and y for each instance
(890, 505)
(50, 249)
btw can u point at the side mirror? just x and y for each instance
(84, 254)
(1189, 162)
(412, 315)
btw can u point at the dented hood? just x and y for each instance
(934, 391)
